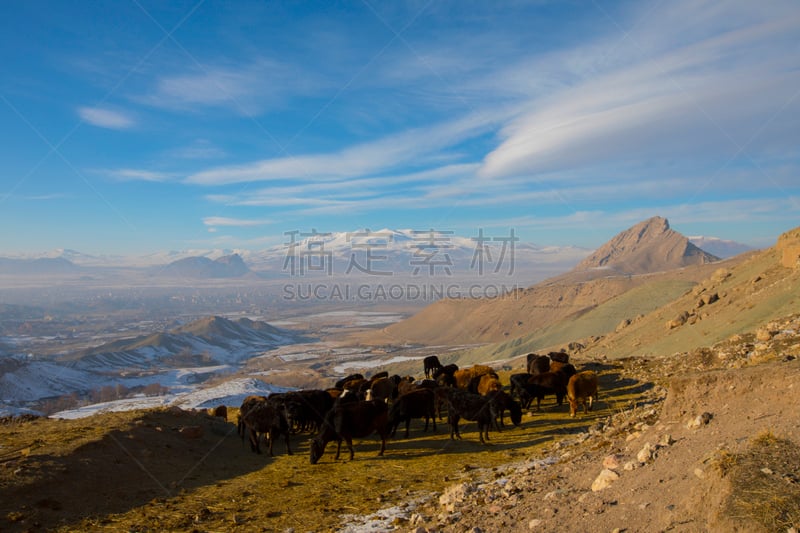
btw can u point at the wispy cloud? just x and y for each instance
(234, 222)
(136, 174)
(199, 149)
(712, 91)
(409, 148)
(596, 225)
(247, 88)
(106, 118)
(37, 197)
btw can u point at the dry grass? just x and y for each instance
(135, 472)
(765, 483)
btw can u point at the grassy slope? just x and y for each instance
(756, 291)
(134, 472)
(597, 321)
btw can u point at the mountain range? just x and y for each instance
(647, 252)
(601, 309)
(355, 254)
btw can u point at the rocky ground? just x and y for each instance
(712, 446)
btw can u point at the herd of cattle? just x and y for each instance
(356, 407)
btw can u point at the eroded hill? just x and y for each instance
(649, 252)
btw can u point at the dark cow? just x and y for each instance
(538, 364)
(419, 403)
(525, 391)
(540, 385)
(248, 403)
(463, 404)
(351, 420)
(567, 368)
(378, 376)
(518, 382)
(431, 365)
(384, 389)
(340, 384)
(502, 401)
(266, 417)
(220, 411)
(561, 357)
(305, 409)
(445, 375)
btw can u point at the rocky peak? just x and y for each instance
(649, 246)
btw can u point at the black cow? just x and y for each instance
(348, 420)
(305, 409)
(415, 404)
(463, 404)
(445, 376)
(266, 417)
(340, 384)
(538, 364)
(431, 365)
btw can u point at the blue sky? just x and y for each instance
(135, 126)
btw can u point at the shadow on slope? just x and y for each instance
(113, 463)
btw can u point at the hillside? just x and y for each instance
(186, 355)
(669, 314)
(693, 442)
(210, 340)
(735, 298)
(700, 434)
(648, 252)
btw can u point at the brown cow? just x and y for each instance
(582, 389)
(465, 375)
(220, 411)
(488, 384)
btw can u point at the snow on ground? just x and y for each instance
(229, 393)
(371, 363)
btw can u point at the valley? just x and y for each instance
(124, 378)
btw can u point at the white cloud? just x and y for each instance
(199, 149)
(234, 222)
(135, 174)
(711, 93)
(106, 118)
(247, 88)
(412, 147)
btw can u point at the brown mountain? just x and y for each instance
(634, 257)
(649, 246)
(668, 315)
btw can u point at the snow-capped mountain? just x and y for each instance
(181, 357)
(720, 247)
(408, 252)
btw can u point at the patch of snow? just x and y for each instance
(381, 520)
(231, 393)
(371, 363)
